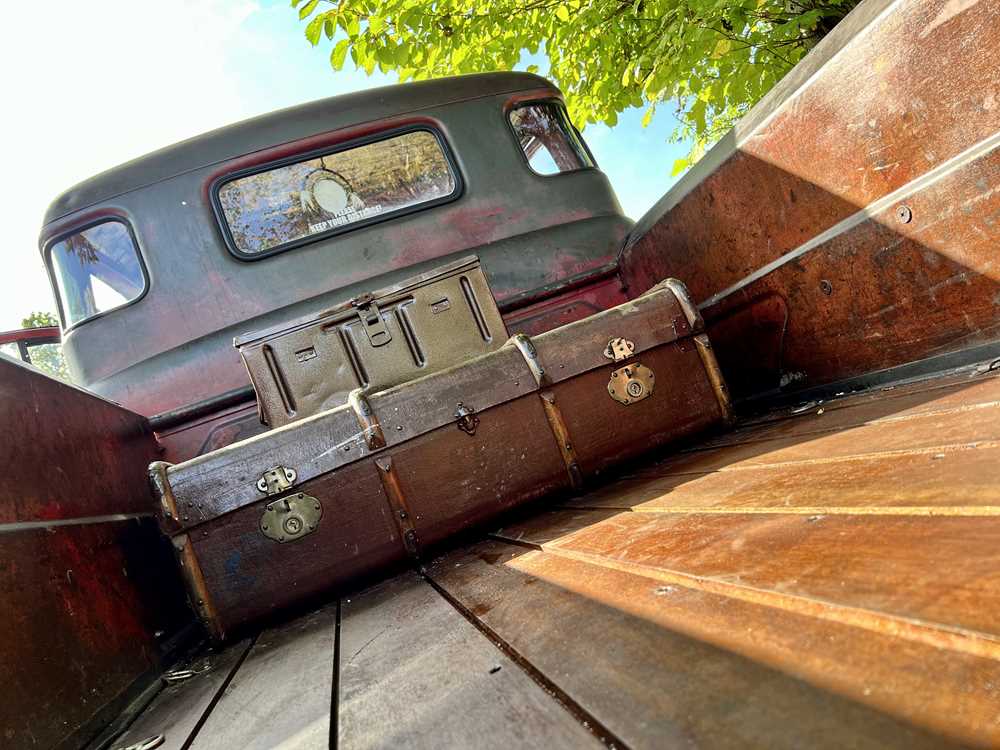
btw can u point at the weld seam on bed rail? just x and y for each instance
(922, 182)
(6, 528)
(781, 510)
(874, 455)
(937, 635)
(590, 722)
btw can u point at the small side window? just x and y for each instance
(96, 269)
(547, 138)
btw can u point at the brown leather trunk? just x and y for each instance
(271, 520)
(380, 339)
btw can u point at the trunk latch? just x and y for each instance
(371, 319)
(276, 480)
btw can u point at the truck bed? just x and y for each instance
(821, 576)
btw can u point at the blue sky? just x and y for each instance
(176, 70)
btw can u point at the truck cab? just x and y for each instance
(158, 264)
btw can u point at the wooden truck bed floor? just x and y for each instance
(825, 578)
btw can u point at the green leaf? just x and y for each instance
(562, 13)
(339, 54)
(679, 166)
(647, 118)
(459, 54)
(314, 30)
(308, 8)
(376, 24)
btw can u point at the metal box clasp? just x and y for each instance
(371, 319)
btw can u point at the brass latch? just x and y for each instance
(619, 349)
(276, 480)
(291, 517)
(371, 319)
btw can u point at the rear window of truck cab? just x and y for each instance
(549, 141)
(284, 205)
(96, 269)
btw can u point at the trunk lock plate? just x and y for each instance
(631, 384)
(291, 517)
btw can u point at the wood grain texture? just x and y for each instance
(622, 647)
(283, 692)
(415, 673)
(940, 569)
(953, 481)
(950, 400)
(922, 433)
(178, 708)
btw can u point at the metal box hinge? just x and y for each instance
(371, 319)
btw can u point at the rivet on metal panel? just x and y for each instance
(826, 287)
(904, 214)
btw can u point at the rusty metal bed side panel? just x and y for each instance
(84, 573)
(826, 174)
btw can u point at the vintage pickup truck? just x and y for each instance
(823, 572)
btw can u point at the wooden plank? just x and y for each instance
(951, 482)
(625, 646)
(945, 570)
(928, 433)
(179, 707)
(949, 402)
(283, 692)
(415, 673)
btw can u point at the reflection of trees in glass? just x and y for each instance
(270, 208)
(80, 246)
(46, 357)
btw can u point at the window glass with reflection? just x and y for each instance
(548, 139)
(267, 210)
(96, 270)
